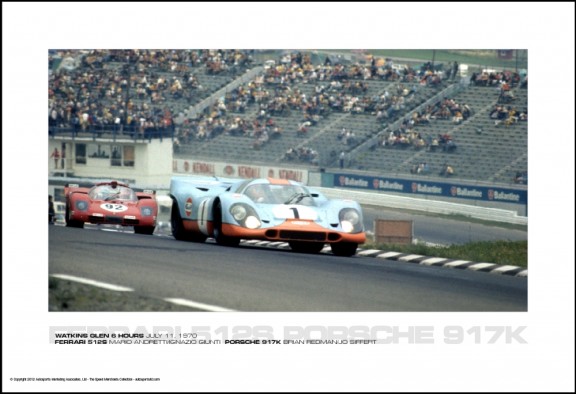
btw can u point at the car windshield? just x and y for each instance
(107, 193)
(279, 194)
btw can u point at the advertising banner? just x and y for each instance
(424, 187)
(201, 167)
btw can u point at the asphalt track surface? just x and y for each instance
(249, 278)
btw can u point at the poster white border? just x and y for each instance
(545, 29)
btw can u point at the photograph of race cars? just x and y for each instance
(263, 209)
(111, 202)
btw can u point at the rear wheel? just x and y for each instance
(178, 230)
(220, 238)
(345, 249)
(306, 247)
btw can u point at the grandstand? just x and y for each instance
(260, 107)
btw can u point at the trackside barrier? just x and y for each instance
(416, 204)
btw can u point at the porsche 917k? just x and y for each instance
(263, 209)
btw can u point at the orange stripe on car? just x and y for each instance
(276, 181)
(194, 226)
(273, 233)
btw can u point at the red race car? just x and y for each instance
(111, 203)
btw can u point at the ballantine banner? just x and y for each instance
(445, 189)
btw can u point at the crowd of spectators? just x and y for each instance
(505, 81)
(217, 119)
(507, 115)
(422, 168)
(297, 67)
(347, 137)
(302, 154)
(130, 91)
(343, 88)
(330, 88)
(133, 92)
(408, 135)
(497, 78)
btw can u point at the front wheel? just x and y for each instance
(345, 249)
(70, 222)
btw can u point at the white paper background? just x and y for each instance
(546, 363)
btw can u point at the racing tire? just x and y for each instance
(345, 249)
(148, 230)
(220, 238)
(178, 230)
(70, 222)
(306, 247)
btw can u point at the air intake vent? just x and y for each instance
(302, 235)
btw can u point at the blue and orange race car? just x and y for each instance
(111, 203)
(263, 209)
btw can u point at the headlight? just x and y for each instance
(245, 215)
(146, 211)
(351, 216)
(81, 205)
(350, 220)
(252, 222)
(238, 212)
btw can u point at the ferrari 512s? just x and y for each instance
(111, 203)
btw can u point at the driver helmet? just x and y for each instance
(255, 193)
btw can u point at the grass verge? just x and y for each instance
(65, 295)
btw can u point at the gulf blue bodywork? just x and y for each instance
(205, 192)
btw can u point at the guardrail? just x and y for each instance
(416, 204)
